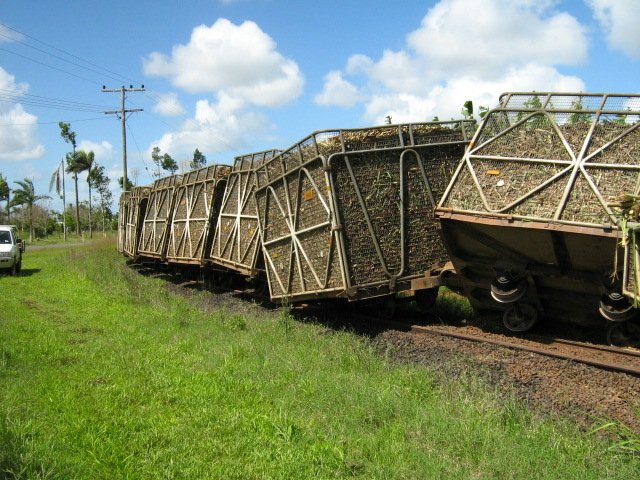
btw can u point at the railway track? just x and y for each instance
(624, 360)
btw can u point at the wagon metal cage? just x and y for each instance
(349, 213)
(532, 199)
(157, 218)
(236, 243)
(135, 206)
(195, 211)
(122, 220)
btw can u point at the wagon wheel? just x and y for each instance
(507, 290)
(616, 308)
(520, 317)
(425, 299)
(624, 334)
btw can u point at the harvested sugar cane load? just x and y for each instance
(157, 218)
(122, 220)
(195, 210)
(135, 205)
(528, 217)
(236, 243)
(349, 213)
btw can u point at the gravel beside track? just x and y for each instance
(589, 395)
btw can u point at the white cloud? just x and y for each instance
(216, 127)
(465, 49)
(103, 150)
(7, 35)
(486, 37)
(169, 105)
(446, 99)
(337, 91)
(619, 20)
(235, 60)
(17, 127)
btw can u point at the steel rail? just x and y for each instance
(549, 352)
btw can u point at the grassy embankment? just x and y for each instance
(107, 374)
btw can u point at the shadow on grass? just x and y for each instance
(15, 459)
(25, 272)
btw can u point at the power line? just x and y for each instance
(49, 66)
(144, 162)
(51, 103)
(55, 56)
(14, 94)
(109, 72)
(51, 123)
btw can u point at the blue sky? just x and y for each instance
(235, 76)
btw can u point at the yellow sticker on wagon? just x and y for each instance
(493, 172)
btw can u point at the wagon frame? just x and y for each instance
(308, 244)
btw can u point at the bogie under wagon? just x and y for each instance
(349, 213)
(529, 217)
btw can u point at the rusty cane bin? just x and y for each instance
(349, 213)
(236, 243)
(526, 218)
(157, 218)
(195, 211)
(135, 205)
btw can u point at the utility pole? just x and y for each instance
(64, 205)
(122, 115)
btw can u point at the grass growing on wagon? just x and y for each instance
(107, 374)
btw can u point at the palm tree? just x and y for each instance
(85, 162)
(75, 169)
(78, 162)
(69, 136)
(26, 195)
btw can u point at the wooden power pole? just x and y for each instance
(122, 115)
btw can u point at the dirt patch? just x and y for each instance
(586, 394)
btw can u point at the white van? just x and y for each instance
(11, 248)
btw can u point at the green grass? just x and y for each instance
(107, 374)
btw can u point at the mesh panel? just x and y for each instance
(381, 160)
(504, 182)
(157, 217)
(193, 216)
(564, 131)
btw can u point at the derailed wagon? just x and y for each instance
(236, 243)
(157, 219)
(196, 202)
(349, 213)
(527, 217)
